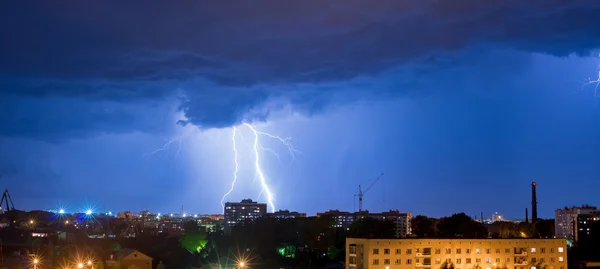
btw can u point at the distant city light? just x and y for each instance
(184, 215)
(88, 212)
(61, 211)
(159, 214)
(195, 215)
(171, 215)
(109, 213)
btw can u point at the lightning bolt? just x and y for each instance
(167, 145)
(257, 148)
(597, 82)
(235, 156)
(259, 172)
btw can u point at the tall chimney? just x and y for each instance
(526, 215)
(533, 203)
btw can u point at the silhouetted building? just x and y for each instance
(285, 214)
(567, 220)
(585, 225)
(344, 219)
(246, 210)
(129, 259)
(401, 221)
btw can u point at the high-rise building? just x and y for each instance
(459, 253)
(567, 220)
(246, 210)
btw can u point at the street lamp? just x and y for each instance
(242, 264)
(35, 263)
(80, 265)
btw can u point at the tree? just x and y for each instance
(540, 265)
(115, 246)
(447, 265)
(119, 263)
(461, 226)
(193, 241)
(423, 226)
(372, 228)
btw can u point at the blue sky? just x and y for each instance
(461, 106)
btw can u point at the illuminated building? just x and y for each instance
(342, 219)
(285, 214)
(461, 253)
(497, 217)
(584, 225)
(567, 220)
(246, 210)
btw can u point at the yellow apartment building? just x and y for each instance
(462, 253)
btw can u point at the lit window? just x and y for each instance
(477, 250)
(532, 267)
(532, 250)
(561, 259)
(561, 250)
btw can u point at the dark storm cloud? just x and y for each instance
(231, 57)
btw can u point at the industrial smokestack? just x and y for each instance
(526, 215)
(533, 203)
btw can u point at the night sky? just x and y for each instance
(462, 104)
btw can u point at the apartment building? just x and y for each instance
(575, 222)
(343, 220)
(246, 210)
(462, 253)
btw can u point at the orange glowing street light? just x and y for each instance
(80, 265)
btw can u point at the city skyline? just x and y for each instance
(102, 106)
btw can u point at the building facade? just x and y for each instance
(462, 253)
(246, 210)
(569, 221)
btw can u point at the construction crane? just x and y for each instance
(6, 200)
(362, 193)
(7, 208)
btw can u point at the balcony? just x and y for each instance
(521, 254)
(423, 254)
(422, 265)
(523, 262)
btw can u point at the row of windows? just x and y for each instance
(427, 261)
(427, 251)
